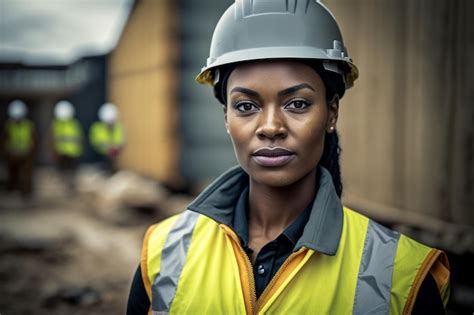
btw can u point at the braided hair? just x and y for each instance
(330, 160)
(334, 84)
(334, 87)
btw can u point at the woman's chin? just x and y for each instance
(276, 177)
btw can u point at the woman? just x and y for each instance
(271, 235)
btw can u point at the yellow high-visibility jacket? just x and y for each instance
(103, 137)
(68, 137)
(344, 263)
(19, 136)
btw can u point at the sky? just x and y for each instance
(58, 32)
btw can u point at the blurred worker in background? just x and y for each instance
(107, 136)
(67, 141)
(19, 143)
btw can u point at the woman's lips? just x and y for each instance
(272, 157)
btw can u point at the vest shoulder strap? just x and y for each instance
(164, 254)
(374, 279)
(392, 269)
(153, 243)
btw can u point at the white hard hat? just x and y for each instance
(17, 109)
(64, 110)
(108, 113)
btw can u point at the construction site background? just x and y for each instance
(407, 133)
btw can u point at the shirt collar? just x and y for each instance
(292, 232)
(323, 228)
(239, 223)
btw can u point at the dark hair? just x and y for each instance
(334, 85)
(330, 159)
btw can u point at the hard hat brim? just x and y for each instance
(305, 53)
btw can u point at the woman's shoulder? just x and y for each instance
(356, 222)
(413, 261)
(181, 221)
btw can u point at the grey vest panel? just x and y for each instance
(375, 272)
(173, 257)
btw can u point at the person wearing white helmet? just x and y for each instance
(271, 235)
(19, 142)
(107, 135)
(66, 140)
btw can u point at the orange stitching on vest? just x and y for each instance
(245, 271)
(440, 272)
(290, 264)
(420, 276)
(144, 261)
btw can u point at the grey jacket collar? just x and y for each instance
(322, 232)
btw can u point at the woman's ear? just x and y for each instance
(333, 108)
(225, 118)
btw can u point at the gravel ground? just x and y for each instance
(58, 258)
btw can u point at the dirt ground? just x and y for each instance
(58, 257)
(76, 254)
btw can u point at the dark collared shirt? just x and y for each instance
(274, 253)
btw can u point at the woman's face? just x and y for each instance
(277, 117)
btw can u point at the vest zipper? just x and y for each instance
(248, 265)
(255, 304)
(253, 297)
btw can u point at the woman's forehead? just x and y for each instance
(273, 70)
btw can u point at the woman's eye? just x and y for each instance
(297, 105)
(246, 107)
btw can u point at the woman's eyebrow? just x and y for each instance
(294, 89)
(244, 90)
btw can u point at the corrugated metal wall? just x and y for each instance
(206, 148)
(143, 85)
(407, 126)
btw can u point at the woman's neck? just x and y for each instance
(272, 209)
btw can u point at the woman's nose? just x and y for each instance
(272, 124)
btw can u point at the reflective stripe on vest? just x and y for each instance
(376, 267)
(193, 250)
(172, 261)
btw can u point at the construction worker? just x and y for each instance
(106, 135)
(271, 235)
(67, 139)
(19, 142)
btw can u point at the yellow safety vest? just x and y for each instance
(67, 137)
(103, 137)
(19, 136)
(208, 272)
(192, 264)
